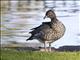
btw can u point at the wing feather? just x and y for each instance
(37, 31)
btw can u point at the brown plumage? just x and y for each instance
(48, 31)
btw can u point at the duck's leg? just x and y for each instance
(45, 46)
(50, 47)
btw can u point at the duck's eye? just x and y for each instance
(49, 14)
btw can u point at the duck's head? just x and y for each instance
(50, 14)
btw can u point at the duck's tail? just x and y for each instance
(30, 38)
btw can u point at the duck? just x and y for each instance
(48, 32)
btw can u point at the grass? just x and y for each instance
(12, 54)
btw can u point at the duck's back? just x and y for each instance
(48, 32)
(38, 31)
(54, 33)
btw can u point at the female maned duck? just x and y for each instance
(48, 32)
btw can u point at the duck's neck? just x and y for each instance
(53, 20)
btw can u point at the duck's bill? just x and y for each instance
(44, 17)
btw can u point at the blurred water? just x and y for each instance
(20, 16)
